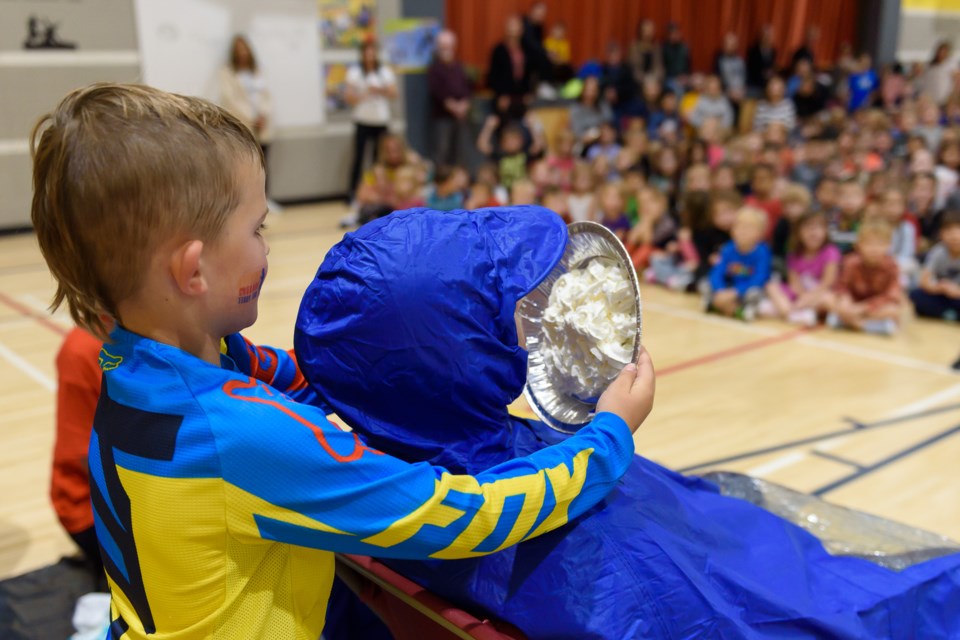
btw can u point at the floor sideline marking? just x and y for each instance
(28, 369)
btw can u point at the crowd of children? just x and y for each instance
(843, 217)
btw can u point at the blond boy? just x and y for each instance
(218, 497)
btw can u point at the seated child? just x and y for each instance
(849, 215)
(655, 234)
(812, 266)
(556, 200)
(762, 187)
(406, 191)
(607, 145)
(675, 262)
(923, 209)
(510, 156)
(447, 193)
(664, 556)
(611, 209)
(633, 183)
(736, 282)
(583, 197)
(487, 174)
(78, 388)
(711, 232)
(796, 202)
(480, 197)
(826, 195)
(697, 178)
(523, 192)
(218, 497)
(868, 294)
(939, 293)
(903, 245)
(562, 160)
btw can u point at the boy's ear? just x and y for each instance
(185, 268)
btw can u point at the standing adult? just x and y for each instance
(370, 87)
(761, 61)
(509, 75)
(244, 93)
(808, 50)
(938, 79)
(619, 85)
(712, 104)
(450, 100)
(532, 39)
(646, 56)
(676, 58)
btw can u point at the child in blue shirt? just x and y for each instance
(737, 280)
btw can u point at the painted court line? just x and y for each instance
(808, 340)
(28, 369)
(776, 464)
(732, 351)
(41, 318)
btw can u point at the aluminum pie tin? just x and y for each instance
(564, 411)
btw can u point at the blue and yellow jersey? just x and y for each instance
(219, 498)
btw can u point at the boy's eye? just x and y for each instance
(261, 228)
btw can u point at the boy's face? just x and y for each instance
(746, 233)
(698, 180)
(236, 264)
(762, 183)
(827, 193)
(872, 248)
(950, 234)
(611, 201)
(512, 143)
(793, 209)
(850, 199)
(893, 206)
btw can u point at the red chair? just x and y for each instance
(410, 611)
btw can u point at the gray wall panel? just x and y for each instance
(37, 90)
(15, 186)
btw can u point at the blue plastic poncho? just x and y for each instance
(408, 332)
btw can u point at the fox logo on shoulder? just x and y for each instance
(108, 361)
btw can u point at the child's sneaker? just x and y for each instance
(649, 275)
(880, 327)
(956, 365)
(833, 321)
(679, 281)
(751, 302)
(950, 315)
(766, 309)
(803, 317)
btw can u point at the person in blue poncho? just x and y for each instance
(408, 332)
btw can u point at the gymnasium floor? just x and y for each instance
(867, 422)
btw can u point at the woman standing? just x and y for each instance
(244, 93)
(938, 81)
(370, 88)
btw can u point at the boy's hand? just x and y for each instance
(630, 396)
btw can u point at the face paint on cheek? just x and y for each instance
(250, 290)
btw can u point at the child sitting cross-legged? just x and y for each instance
(812, 268)
(611, 206)
(735, 287)
(939, 293)
(869, 297)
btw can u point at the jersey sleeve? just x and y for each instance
(275, 367)
(311, 484)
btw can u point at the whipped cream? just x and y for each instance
(589, 327)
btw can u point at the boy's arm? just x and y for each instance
(717, 281)
(277, 368)
(313, 485)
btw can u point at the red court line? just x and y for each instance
(27, 312)
(734, 351)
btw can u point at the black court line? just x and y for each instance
(833, 458)
(863, 471)
(859, 427)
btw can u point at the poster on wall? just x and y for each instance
(346, 23)
(335, 86)
(410, 42)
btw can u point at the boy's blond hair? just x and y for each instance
(752, 215)
(117, 171)
(796, 192)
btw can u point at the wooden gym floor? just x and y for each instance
(867, 422)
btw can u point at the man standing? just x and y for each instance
(450, 100)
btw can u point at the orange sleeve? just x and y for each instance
(78, 390)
